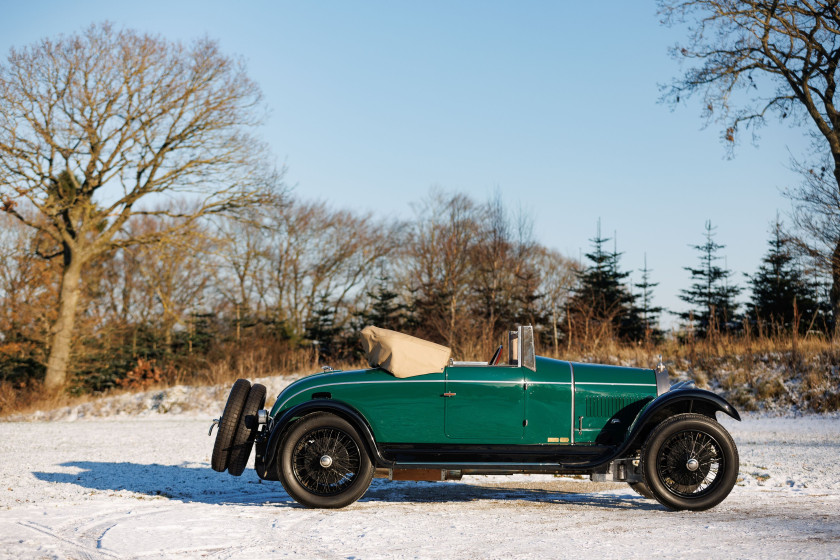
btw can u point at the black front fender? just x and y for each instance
(678, 401)
(281, 424)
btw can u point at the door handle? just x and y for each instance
(449, 394)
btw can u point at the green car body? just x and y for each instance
(327, 434)
(559, 403)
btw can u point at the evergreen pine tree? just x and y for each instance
(602, 295)
(712, 298)
(321, 329)
(779, 283)
(648, 313)
(825, 316)
(386, 311)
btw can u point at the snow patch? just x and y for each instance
(141, 486)
(181, 400)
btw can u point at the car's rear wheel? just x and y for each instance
(690, 462)
(246, 431)
(228, 424)
(323, 462)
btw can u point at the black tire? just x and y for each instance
(307, 479)
(246, 432)
(641, 489)
(229, 422)
(690, 462)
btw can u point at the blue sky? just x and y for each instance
(553, 104)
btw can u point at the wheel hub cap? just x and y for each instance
(326, 461)
(691, 465)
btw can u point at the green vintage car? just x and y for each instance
(419, 415)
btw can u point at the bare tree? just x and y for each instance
(493, 261)
(27, 293)
(817, 217)
(440, 244)
(323, 254)
(754, 59)
(557, 279)
(244, 260)
(505, 279)
(94, 124)
(174, 272)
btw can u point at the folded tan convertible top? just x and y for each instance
(401, 354)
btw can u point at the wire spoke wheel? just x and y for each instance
(326, 461)
(690, 463)
(323, 462)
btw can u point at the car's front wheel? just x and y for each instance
(690, 462)
(641, 489)
(323, 462)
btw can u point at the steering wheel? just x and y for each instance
(496, 355)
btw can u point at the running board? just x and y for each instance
(490, 467)
(623, 470)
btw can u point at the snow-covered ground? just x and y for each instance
(130, 486)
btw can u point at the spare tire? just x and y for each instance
(228, 424)
(246, 432)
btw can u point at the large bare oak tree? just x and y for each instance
(107, 124)
(750, 60)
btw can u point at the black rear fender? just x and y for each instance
(282, 424)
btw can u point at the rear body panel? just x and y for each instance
(402, 410)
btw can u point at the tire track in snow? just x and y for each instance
(90, 553)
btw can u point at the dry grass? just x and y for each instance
(248, 362)
(754, 373)
(32, 397)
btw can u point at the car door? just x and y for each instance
(548, 405)
(484, 403)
